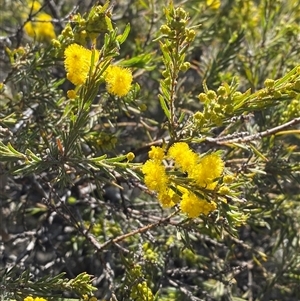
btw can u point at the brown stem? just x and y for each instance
(256, 136)
(100, 247)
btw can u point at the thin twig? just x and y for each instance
(184, 290)
(256, 136)
(100, 247)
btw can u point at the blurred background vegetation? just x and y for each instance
(241, 43)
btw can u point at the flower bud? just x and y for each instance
(185, 66)
(190, 35)
(269, 83)
(130, 156)
(203, 97)
(165, 29)
(211, 95)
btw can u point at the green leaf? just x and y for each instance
(258, 153)
(122, 38)
(164, 106)
(165, 90)
(141, 61)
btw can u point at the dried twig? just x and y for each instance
(100, 247)
(256, 136)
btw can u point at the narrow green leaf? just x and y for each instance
(122, 38)
(165, 90)
(14, 151)
(98, 158)
(181, 117)
(258, 153)
(164, 106)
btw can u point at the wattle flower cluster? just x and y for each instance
(78, 62)
(29, 298)
(118, 80)
(203, 172)
(41, 29)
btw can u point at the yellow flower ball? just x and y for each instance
(213, 4)
(183, 156)
(78, 62)
(156, 153)
(151, 169)
(71, 94)
(130, 156)
(41, 28)
(208, 169)
(29, 298)
(118, 80)
(193, 206)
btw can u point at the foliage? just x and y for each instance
(150, 150)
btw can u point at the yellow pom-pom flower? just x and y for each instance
(168, 198)
(78, 63)
(155, 175)
(213, 4)
(118, 80)
(183, 156)
(194, 206)
(41, 28)
(209, 168)
(156, 153)
(29, 298)
(34, 6)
